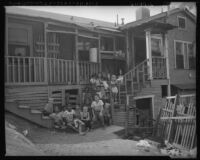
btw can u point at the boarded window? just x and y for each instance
(181, 22)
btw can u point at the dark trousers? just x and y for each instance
(87, 123)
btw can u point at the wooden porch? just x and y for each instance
(40, 70)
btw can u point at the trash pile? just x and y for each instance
(174, 152)
(144, 144)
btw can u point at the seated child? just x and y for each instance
(85, 117)
(113, 85)
(77, 117)
(99, 80)
(70, 119)
(107, 113)
(57, 116)
(48, 108)
(97, 108)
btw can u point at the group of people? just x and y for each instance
(103, 83)
(78, 118)
(96, 110)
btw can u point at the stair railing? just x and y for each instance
(136, 77)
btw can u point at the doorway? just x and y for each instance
(140, 49)
(145, 104)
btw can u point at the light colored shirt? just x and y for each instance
(97, 106)
(69, 115)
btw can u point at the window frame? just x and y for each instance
(185, 56)
(14, 25)
(178, 22)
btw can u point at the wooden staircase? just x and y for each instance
(27, 113)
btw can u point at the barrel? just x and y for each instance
(93, 54)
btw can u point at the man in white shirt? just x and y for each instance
(97, 109)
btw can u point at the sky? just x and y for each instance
(104, 13)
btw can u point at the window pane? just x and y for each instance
(179, 55)
(185, 55)
(156, 47)
(192, 59)
(181, 22)
(18, 35)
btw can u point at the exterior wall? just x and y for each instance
(180, 75)
(33, 96)
(154, 89)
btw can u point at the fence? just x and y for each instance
(178, 119)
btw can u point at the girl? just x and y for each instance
(113, 85)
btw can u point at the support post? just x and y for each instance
(127, 50)
(99, 53)
(167, 63)
(45, 54)
(77, 57)
(6, 37)
(148, 52)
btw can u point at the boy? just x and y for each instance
(107, 113)
(71, 121)
(57, 117)
(97, 108)
(85, 117)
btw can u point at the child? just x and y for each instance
(113, 85)
(99, 80)
(70, 120)
(85, 117)
(77, 117)
(48, 109)
(97, 108)
(57, 117)
(107, 113)
(120, 77)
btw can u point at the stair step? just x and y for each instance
(35, 111)
(24, 106)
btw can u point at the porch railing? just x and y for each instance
(61, 71)
(86, 70)
(22, 70)
(31, 70)
(159, 68)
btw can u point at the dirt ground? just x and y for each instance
(97, 142)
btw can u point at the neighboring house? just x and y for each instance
(52, 55)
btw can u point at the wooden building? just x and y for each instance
(50, 55)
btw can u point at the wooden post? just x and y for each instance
(148, 52)
(99, 53)
(6, 37)
(127, 50)
(77, 57)
(45, 54)
(167, 63)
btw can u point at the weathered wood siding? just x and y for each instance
(180, 75)
(33, 96)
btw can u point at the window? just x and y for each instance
(184, 55)
(164, 91)
(19, 39)
(191, 56)
(182, 22)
